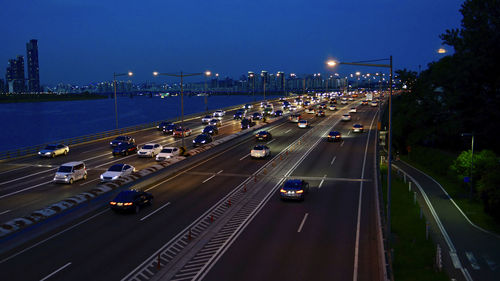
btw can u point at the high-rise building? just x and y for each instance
(15, 75)
(33, 68)
(280, 83)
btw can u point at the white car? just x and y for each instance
(219, 113)
(373, 103)
(350, 98)
(149, 150)
(310, 110)
(260, 151)
(206, 119)
(293, 108)
(52, 150)
(352, 110)
(303, 124)
(116, 171)
(332, 107)
(167, 152)
(346, 117)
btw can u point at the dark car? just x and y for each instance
(239, 115)
(125, 149)
(163, 125)
(202, 139)
(263, 136)
(334, 136)
(122, 139)
(278, 113)
(169, 130)
(320, 113)
(256, 116)
(131, 200)
(294, 189)
(211, 130)
(247, 123)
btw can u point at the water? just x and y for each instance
(26, 124)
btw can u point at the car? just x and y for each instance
(247, 123)
(343, 101)
(268, 111)
(131, 200)
(350, 99)
(116, 171)
(122, 139)
(306, 103)
(260, 151)
(294, 189)
(248, 106)
(293, 108)
(149, 150)
(310, 110)
(334, 136)
(295, 118)
(180, 132)
(169, 130)
(303, 124)
(215, 122)
(333, 100)
(364, 102)
(256, 116)
(357, 128)
(167, 152)
(52, 150)
(373, 103)
(320, 113)
(202, 139)
(124, 149)
(352, 110)
(346, 117)
(211, 130)
(163, 125)
(239, 115)
(219, 113)
(322, 106)
(71, 172)
(263, 136)
(332, 107)
(206, 119)
(278, 113)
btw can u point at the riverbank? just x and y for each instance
(44, 97)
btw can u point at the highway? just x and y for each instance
(332, 235)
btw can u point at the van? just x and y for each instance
(71, 172)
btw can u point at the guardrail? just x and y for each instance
(31, 150)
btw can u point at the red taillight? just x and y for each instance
(282, 190)
(299, 191)
(127, 204)
(112, 203)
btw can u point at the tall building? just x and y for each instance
(33, 68)
(15, 75)
(280, 83)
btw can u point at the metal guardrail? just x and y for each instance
(31, 150)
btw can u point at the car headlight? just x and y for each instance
(102, 177)
(115, 177)
(202, 141)
(194, 141)
(47, 153)
(111, 143)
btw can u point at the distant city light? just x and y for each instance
(441, 51)
(208, 73)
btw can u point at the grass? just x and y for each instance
(414, 255)
(436, 163)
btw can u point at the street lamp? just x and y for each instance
(332, 63)
(114, 84)
(181, 75)
(207, 74)
(264, 79)
(251, 75)
(471, 159)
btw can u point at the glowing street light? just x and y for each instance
(207, 74)
(441, 51)
(114, 84)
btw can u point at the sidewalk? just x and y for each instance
(470, 252)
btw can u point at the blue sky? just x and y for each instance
(83, 41)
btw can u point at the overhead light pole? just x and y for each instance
(114, 84)
(370, 63)
(181, 75)
(251, 75)
(207, 74)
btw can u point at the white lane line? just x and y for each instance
(220, 172)
(244, 156)
(287, 131)
(333, 160)
(15, 169)
(27, 188)
(472, 260)
(61, 268)
(30, 175)
(89, 181)
(349, 132)
(271, 141)
(322, 181)
(55, 235)
(356, 247)
(212, 176)
(302, 223)
(168, 203)
(342, 143)
(4, 212)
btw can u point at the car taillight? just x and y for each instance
(299, 191)
(112, 203)
(127, 204)
(282, 190)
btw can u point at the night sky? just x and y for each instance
(84, 41)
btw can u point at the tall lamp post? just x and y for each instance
(471, 160)
(264, 79)
(251, 75)
(181, 75)
(207, 74)
(114, 84)
(332, 63)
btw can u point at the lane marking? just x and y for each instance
(342, 143)
(322, 180)
(30, 175)
(472, 260)
(349, 132)
(333, 160)
(287, 131)
(168, 203)
(244, 156)
(27, 188)
(302, 223)
(55, 235)
(270, 141)
(4, 212)
(89, 181)
(219, 172)
(61, 268)
(208, 179)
